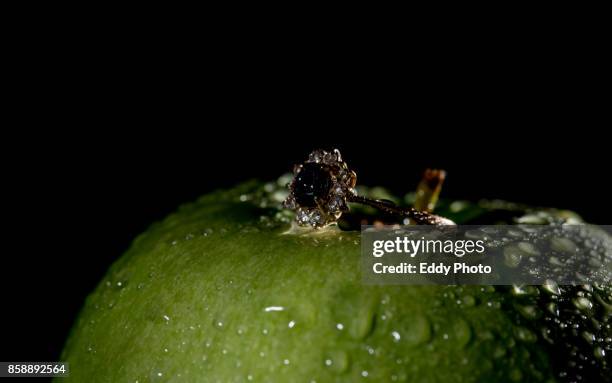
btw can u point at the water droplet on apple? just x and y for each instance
(415, 331)
(336, 360)
(525, 335)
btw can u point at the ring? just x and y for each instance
(323, 186)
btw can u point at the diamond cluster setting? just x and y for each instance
(320, 187)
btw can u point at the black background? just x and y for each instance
(93, 161)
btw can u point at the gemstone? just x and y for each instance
(289, 203)
(312, 182)
(316, 218)
(316, 156)
(303, 217)
(329, 158)
(336, 204)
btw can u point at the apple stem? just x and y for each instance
(428, 190)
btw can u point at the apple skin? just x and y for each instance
(217, 292)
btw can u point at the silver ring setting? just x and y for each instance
(323, 185)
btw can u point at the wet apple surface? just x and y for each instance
(223, 290)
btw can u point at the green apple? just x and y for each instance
(223, 291)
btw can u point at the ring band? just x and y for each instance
(323, 186)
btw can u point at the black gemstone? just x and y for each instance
(312, 182)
